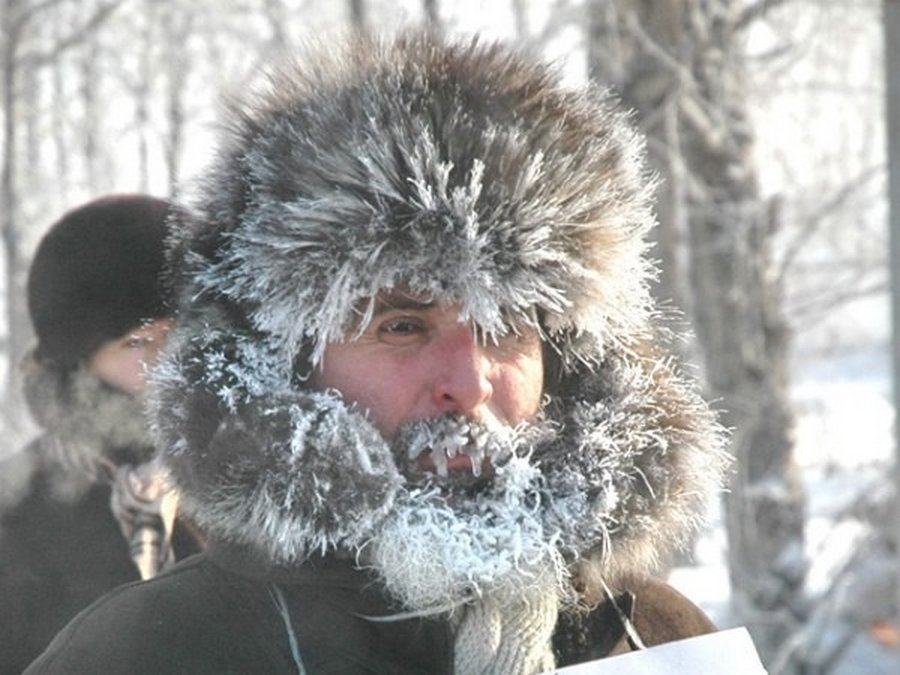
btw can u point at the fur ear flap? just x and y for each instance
(88, 423)
(637, 458)
(288, 472)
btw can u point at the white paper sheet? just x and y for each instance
(728, 651)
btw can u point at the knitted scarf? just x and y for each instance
(507, 634)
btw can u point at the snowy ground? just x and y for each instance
(845, 451)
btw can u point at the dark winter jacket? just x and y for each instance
(217, 613)
(57, 555)
(60, 545)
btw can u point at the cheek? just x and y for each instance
(377, 385)
(120, 368)
(520, 387)
(134, 370)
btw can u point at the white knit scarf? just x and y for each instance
(507, 632)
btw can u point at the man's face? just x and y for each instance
(417, 361)
(123, 362)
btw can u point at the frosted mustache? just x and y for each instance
(486, 438)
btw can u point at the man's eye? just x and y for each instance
(401, 330)
(402, 326)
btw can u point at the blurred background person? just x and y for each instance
(83, 507)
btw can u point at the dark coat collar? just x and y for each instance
(657, 611)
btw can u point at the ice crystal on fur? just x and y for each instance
(446, 437)
(431, 554)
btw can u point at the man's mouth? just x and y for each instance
(445, 462)
(453, 450)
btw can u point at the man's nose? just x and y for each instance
(462, 372)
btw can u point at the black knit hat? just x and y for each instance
(96, 274)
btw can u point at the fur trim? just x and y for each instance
(90, 426)
(638, 457)
(622, 467)
(288, 472)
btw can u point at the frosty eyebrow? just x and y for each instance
(399, 301)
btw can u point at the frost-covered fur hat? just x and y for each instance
(466, 173)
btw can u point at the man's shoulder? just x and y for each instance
(663, 614)
(640, 612)
(160, 625)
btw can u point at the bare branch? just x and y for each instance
(693, 107)
(432, 14)
(805, 310)
(813, 221)
(561, 14)
(275, 16)
(357, 9)
(74, 38)
(657, 51)
(755, 12)
(19, 22)
(520, 19)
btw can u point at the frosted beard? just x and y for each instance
(457, 535)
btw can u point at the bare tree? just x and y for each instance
(20, 58)
(679, 64)
(89, 128)
(59, 123)
(357, 9)
(277, 16)
(891, 57)
(177, 26)
(561, 14)
(14, 23)
(432, 12)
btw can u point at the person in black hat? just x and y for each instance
(83, 508)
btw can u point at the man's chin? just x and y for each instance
(445, 542)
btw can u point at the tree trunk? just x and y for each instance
(18, 332)
(177, 26)
(90, 143)
(432, 12)
(59, 116)
(892, 94)
(520, 19)
(142, 94)
(678, 64)
(616, 56)
(358, 14)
